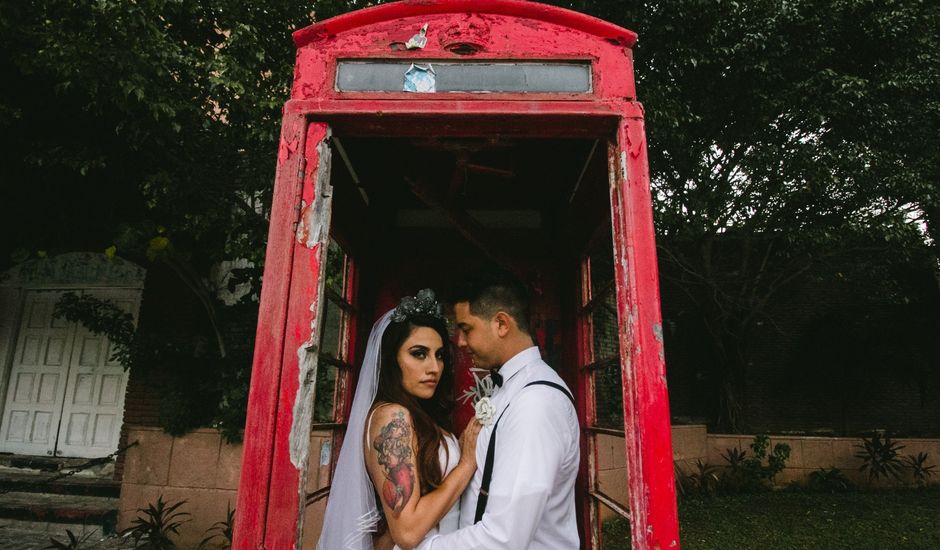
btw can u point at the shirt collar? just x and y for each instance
(518, 361)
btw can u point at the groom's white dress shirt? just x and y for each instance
(531, 503)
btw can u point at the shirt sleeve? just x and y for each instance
(532, 442)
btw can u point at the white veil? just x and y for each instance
(351, 513)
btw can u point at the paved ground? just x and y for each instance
(15, 537)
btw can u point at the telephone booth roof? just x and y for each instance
(500, 56)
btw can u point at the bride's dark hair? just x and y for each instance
(426, 414)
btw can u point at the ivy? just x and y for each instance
(101, 317)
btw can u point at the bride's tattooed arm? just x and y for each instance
(393, 446)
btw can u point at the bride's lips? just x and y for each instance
(429, 382)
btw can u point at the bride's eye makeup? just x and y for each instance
(419, 352)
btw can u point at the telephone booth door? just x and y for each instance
(422, 141)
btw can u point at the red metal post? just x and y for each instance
(654, 520)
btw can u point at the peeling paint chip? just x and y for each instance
(419, 40)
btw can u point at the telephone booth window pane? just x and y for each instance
(333, 333)
(331, 340)
(467, 76)
(335, 268)
(608, 395)
(615, 530)
(323, 408)
(604, 323)
(602, 266)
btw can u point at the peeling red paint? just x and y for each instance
(286, 149)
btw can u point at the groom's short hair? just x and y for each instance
(491, 291)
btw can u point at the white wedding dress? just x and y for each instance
(449, 458)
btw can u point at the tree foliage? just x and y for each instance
(785, 138)
(149, 128)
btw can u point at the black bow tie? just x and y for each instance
(497, 378)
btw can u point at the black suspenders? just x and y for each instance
(491, 451)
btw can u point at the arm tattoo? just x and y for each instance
(393, 446)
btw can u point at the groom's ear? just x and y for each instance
(503, 323)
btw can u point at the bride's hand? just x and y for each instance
(468, 443)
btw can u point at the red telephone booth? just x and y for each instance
(421, 139)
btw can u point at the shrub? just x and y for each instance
(221, 530)
(72, 543)
(920, 471)
(831, 480)
(750, 474)
(703, 480)
(154, 528)
(879, 455)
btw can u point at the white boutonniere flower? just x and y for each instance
(480, 394)
(485, 411)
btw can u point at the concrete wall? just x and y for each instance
(808, 454)
(691, 443)
(204, 471)
(688, 445)
(197, 467)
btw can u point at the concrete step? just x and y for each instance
(33, 510)
(17, 480)
(31, 536)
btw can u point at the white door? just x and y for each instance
(94, 395)
(66, 395)
(37, 378)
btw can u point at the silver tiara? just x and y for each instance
(424, 303)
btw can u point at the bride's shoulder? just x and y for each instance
(389, 415)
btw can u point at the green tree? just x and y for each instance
(150, 128)
(784, 136)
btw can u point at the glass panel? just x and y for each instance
(335, 268)
(605, 328)
(608, 396)
(323, 410)
(615, 529)
(612, 468)
(602, 264)
(475, 76)
(332, 330)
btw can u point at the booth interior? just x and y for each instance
(427, 212)
(420, 212)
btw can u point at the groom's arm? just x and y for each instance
(532, 442)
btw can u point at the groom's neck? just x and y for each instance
(514, 345)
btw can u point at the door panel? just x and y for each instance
(94, 396)
(37, 378)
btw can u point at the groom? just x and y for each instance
(530, 502)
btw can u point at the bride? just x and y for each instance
(399, 449)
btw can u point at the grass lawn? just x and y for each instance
(887, 519)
